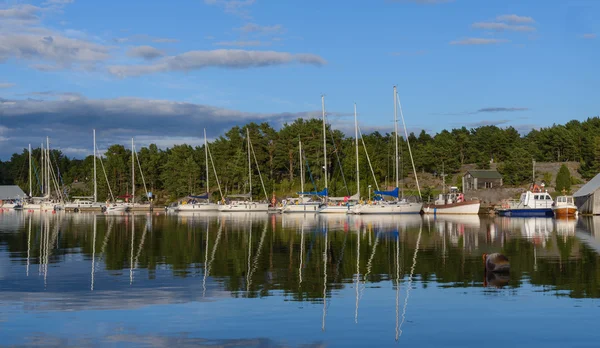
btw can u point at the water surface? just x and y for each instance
(238, 280)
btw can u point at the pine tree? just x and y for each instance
(563, 179)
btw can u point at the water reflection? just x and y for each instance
(129, 262)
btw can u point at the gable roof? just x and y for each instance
(11, 192)
(588, 188)
(485, 174)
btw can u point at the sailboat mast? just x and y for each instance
(95, 183)
(48, 166)
(301, 166)
(324, 144)
(249, 163)
(42, 169)
(396, 135)
(132, 173)
(206, 157)
(356, 141)
(30, 193)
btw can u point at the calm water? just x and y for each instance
(241, 280)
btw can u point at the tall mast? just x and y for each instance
(48, 167)
(356, 140)
(132, 173)
(42, 169)
(95, 183)
(301, 166)
(396, 135)
(249, 163)
(30, 193)
(206, 156)
(324, 143)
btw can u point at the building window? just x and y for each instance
(488, 185)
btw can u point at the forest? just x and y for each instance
(179, 171)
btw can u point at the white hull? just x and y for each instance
(84, 207)
(32, 206)
(334, 209)
(249, 206)
(197, 207)
(466, 209)
(8, 205)
(117, 208)
(301, 208)
(388, 208)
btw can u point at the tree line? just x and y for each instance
(180, 170)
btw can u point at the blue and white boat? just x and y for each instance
(533, 203)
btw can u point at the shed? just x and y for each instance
(587, 198)
(11, 192)
(481, 179)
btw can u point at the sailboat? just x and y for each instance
(45, 202)
(88, 203)
(334, 205)
(399, 205)
(245, 203)
(302, 204)
(205, 204)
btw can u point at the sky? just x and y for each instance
(161, 72)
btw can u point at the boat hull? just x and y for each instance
(198, 207)
(334, 209)
(300, 208)
(565, 211)
(526, 212)
(467, 208)
(397, 208)
(245, 207)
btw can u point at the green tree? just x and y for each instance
(563, 179)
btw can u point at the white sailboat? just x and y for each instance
(302, 204)
(334, 205)
(398, 205)
(87, 203)
(204, 203)
(245, 202)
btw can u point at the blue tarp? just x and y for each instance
(200, 197)
(393, 193)
(320, 193)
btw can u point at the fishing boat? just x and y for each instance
(201, 202)
(399, 204)
(452, 202)
(564, 206)
(244, 202)
(535, 202)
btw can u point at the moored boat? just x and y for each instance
(564, 206)
(452, 203)
(533, 203)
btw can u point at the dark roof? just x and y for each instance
(485, 174)
(11, 192)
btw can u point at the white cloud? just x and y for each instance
(6, 84)
(223, 58)
(145, 52)
(21, 12)
(251, 43)
(478, 41)
(428, 2)
(144, 38)
(513, 18)
(235, 7)
(589, 36)
(501, 26)
(259, 29)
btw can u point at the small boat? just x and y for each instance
(452, 203)
(564, 207)
(117, 207)
(533, 203)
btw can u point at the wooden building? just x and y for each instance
(481, 179)
(587, 198)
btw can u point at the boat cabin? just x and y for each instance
(454, 196)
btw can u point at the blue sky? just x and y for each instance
(161, 72)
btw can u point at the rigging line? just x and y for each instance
(310, 173)
(214, 170)
(408, 143)
(105, 242)
(140, 166)
(105, 175)
(258, 169)
(368, 158)
(255, 261)
(205, 258)
(335, 150)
